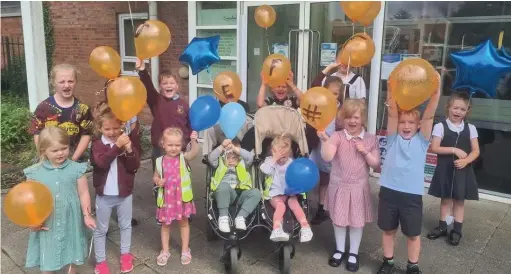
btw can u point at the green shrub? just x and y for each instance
(14, 123)
(14, 77)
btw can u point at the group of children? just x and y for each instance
(344, 153)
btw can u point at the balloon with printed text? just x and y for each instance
(28, 204)
(152, 38)
(276, 68)
(105, 61)
(318, 107)
(126, 97)
(227, 86)
(412, 82)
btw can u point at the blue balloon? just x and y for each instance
(505, 54)
(201, 53)
(302, 175)
(232, 119)
(480, 68)
(204, 112)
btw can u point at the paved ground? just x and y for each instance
(485, 248)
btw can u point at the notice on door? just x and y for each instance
(328, 54)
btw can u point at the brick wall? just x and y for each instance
(79, 27)
(11, 26)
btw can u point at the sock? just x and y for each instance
(388, 260)
(321, 208)
(458, 227)
(340, 240)
(243, 213)
(223, 212)
(410, 264)
(442, 225)
(355, 239)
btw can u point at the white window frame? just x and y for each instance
(122, 46)
(193, 29)
(11, 11)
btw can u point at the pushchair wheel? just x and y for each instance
(232, 266)
(285, 258)
(210, 233)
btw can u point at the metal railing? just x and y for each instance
(14, 78)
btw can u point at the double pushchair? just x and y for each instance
(267, 122)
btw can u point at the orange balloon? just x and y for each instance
(265, 16)
(371, 14)
(276, 69)
(227, 86)
(152, 38)
(361, 49)
(318, 107)
(126, 97)
(412, 82)
(105, 61)
(28, 204)
(355, 9)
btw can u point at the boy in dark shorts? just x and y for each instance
(402, 180)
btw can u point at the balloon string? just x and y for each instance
(501, 37)
(462, 41)
(353, 28)
(131, 16)
(267, 41)
(211, 79)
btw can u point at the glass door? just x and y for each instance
(284, 37)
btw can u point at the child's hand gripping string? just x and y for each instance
(361, 147)
(89, 221)
(323, 136)
(39, 228)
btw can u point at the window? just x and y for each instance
(11, 8)
(127, 41)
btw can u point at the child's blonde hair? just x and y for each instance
(171, 131)
(413, 112)
(50, 135)
(350, 107)
(282, 141)
(101, 113)
(59, 67)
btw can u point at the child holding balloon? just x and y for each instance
(455, 142)
(167, 107)
(402, 177)
(172, 176)
(351, 151)
(61, 241)
(280, 93)
(115, 158)
(275, 168)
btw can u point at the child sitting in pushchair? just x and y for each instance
(275, 168)
(232, 183)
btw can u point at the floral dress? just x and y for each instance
(173, 207)
(65, 241)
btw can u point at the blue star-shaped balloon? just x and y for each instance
(480, 69)
(201, 53)
(505, 54)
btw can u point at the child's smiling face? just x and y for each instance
(169, 87)
(280, 92)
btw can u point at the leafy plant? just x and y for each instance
(14, 122)
(48, 35)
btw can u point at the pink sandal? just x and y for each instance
(186, 257)
(163, 258)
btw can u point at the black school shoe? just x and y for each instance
(454, 238)
(352, 267)
(386, 268)
(319, 218)
(436, 233)
(333, 262)
(413, 269)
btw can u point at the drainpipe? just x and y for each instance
(155, 61)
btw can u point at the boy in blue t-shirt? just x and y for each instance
(402, 180)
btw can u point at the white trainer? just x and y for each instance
(279, 235)
(239, 223)
(305, 235)
(223, 224)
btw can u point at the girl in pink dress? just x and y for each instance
(352, 151)
(172, 174)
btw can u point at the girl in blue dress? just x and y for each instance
(61, 240)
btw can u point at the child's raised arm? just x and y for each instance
(392, 117)
(190, 155)
(246, 155)
(214, 155)
(268, 166)
(292, 85)
(429, 112)
(145, 78)
(328, 147)
(262, 93)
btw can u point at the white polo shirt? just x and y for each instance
(111, 186)
(358, 90)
